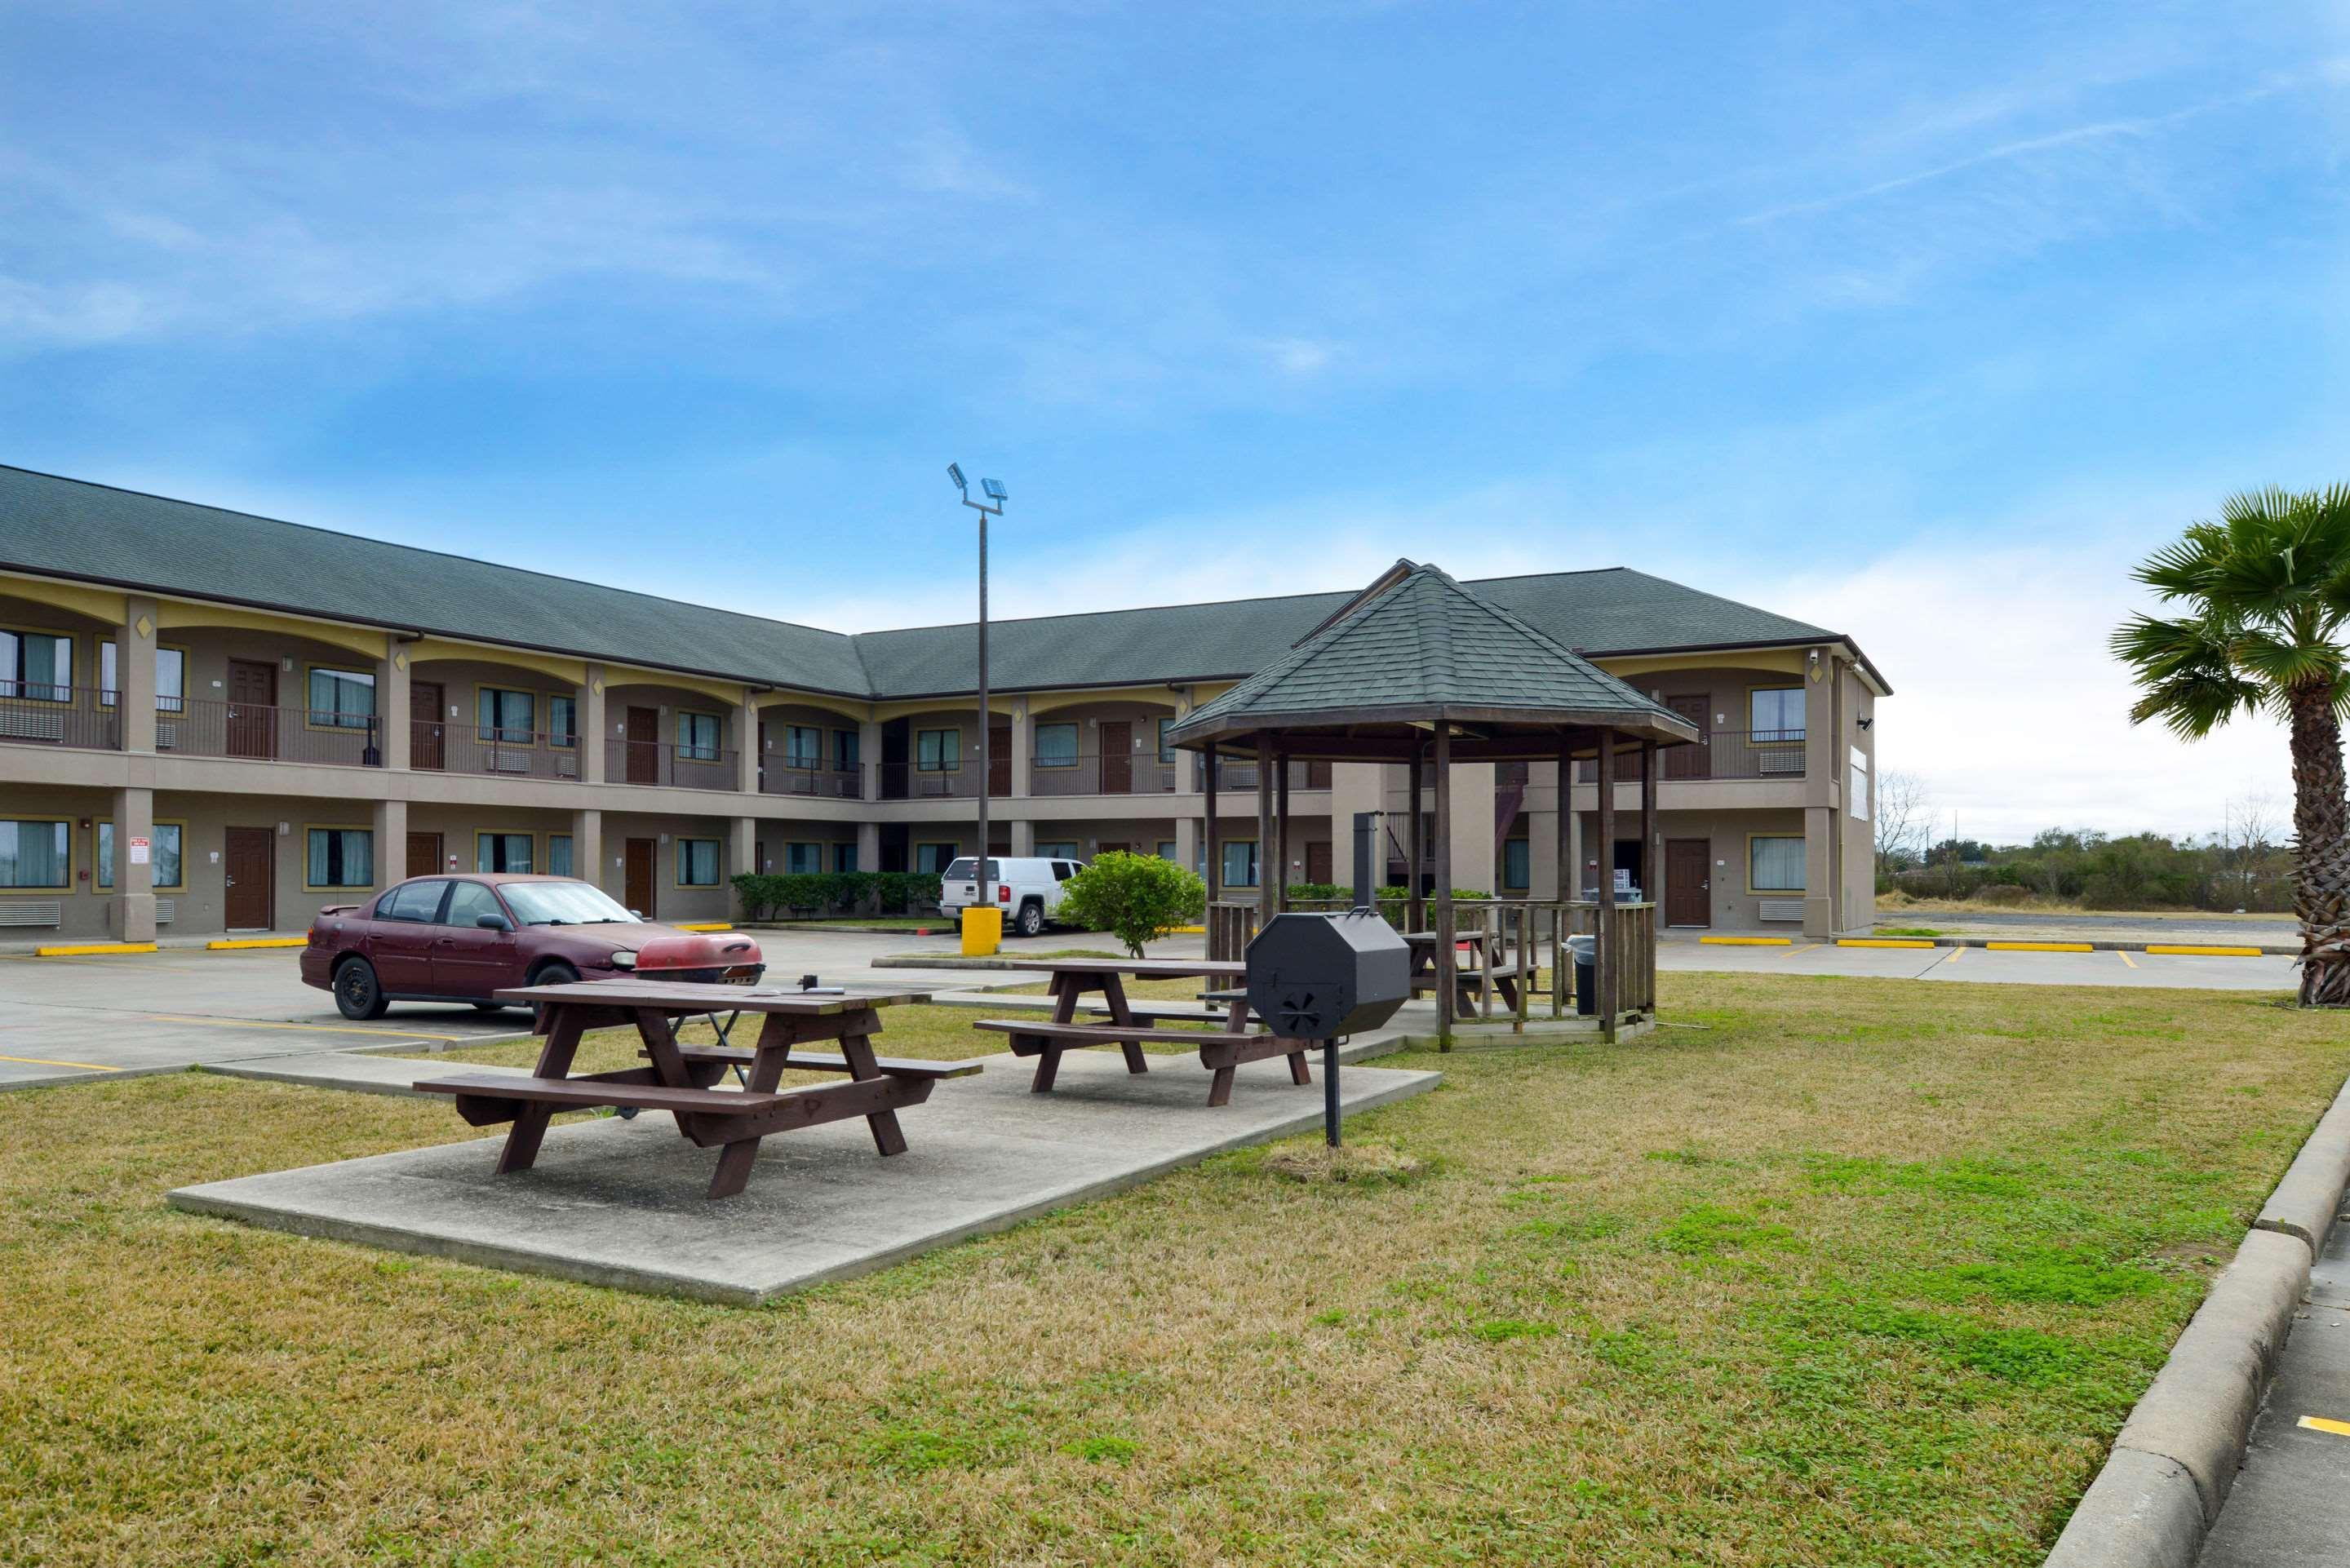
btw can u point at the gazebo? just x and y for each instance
(1419, 671)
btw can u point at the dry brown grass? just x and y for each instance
(1860, 1272)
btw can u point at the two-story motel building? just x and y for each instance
(212, 722)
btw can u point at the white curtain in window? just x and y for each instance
(1240, 864)
(1056, 746)
(341, 858)
(33, 854)
(559, 854)
(1777, 865)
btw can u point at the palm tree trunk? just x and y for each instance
(2321, 862)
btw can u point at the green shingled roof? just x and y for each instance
(1420, 648)
(72, 529)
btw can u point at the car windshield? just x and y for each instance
(562, 904)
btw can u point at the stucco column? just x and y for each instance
(389, 820)
(595, 745)
(746, 750)
(869, 843)
(1543, 860)
(869, 765)
(131, 914)
(1354, 787)
(1024, 836)
(1472, 828)
(742, 854)
(1187, 838)
(394, 729)
(587, 846)
(134, 675)
(1820, 777)
(1021, 762)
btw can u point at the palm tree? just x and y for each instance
(2267, 588)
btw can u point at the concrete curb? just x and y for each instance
(2171, 1464)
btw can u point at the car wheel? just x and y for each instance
(357, 994)
(1032, 921)
(489, 1007)
(554, 973)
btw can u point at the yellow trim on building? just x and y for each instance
(170, 613)
(99, 604)
(617, 675)
(572, 673)
(1787, 662)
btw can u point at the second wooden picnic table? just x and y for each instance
(1074, 980)
(682, 1079)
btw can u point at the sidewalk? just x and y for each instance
(2289, 1505)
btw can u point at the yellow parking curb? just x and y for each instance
(2041, 947)
(87, 950)
(2188, 951)
(230, 944)
(708, 926)
(1883, 942)
(1746, 941)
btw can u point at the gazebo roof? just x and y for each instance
(1416, 648)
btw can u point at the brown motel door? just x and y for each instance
(1689, 881)
(1118, 756)
(429, 749)
(252, 878)
(644, 759)
(252, 708)
(424, 854)
(1691, 762)
(1317, 862)
(637, 877)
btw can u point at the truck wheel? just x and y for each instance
(1032, 920)
(357, 994)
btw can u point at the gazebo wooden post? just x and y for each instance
(1281, 830)
(1415, 915)
(1215, 863)
(1446, 965)
(1610, 959)
(1265, 763)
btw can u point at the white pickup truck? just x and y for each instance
(1027, 888)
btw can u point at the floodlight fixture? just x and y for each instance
(992, 488)
(954, 471)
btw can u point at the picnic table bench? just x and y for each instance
(1221, 1051)
(1468, 977)
(682, 1079)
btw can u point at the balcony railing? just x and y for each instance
(1232, 774)
(1089, 773)
(35, 714)
(904, 781)
(435, 747)
(821, 781)
(668, 765)
(1719, 754)
(207, 727)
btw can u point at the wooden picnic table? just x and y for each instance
(1466, 976)
(1130, 1026)
(682, 1079)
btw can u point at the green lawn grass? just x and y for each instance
(1844, 1272)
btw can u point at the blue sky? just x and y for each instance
(1923, 321)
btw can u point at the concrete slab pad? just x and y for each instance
(349, 1070)
(620, 1203)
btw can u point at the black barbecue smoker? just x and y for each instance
(1322, 977)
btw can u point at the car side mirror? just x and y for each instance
(494, 922)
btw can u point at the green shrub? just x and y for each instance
(1137, 899)
(769, 894)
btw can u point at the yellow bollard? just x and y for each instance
(982, 930)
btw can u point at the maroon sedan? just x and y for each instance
(462, 939)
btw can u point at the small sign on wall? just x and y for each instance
(138, 851)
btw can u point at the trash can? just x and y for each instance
(982, 930)
(1584, 951)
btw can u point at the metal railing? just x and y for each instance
(207, 727)
(1718, 754)
(35, 714)
(436, 747)
(1091, 772)
(1239, 775)
(669, 765)
(821, 781)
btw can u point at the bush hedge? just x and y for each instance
(766, 895)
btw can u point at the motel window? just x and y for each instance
(1058, 849)
(843, 857)
(340, 857)
(342, 699)
(559, 854)
(1517, 863)
(697, 862)
(503, 852)
(938, 751)
(803, 859)
(1166, 746)
(170, 678)
(1056, 747)
(932, 859)
(36, 666)
(697, 737)
(1239, 863)
(1777, 713)
(563, 721)
(1167, 849)
(845, 751)
(35, 854)
(163, 863)
(803, 745)
(506, 717)
(1774, 864)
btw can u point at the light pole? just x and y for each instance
(989, 505)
